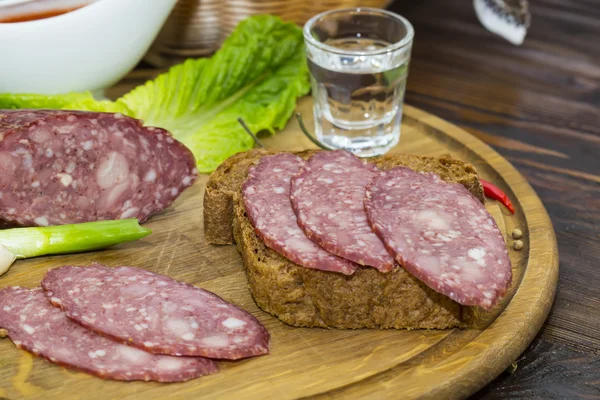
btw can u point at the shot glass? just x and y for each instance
(358, 60)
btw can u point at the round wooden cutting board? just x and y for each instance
(320, 363)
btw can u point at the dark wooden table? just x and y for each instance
(539, 106)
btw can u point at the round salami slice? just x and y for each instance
(266, 195)
(327, 197)
(440, 233)
(37, 327)
(61, 167)
(155, 312)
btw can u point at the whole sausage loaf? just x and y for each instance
(59, 167)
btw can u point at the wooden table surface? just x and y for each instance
(539, 106)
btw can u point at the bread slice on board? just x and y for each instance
(312, 298)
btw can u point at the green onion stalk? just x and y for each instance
(18, 243)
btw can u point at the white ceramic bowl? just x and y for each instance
(90, 48)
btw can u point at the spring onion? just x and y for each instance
(7, 258)
(18, 243)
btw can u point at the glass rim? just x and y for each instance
(410, 32)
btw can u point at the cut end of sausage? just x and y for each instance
(60, 167)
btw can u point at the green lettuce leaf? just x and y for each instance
(257, 75)
(70, 101)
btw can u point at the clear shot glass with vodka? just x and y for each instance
(358, 60)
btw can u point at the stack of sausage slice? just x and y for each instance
(127, 323)
(337, 213)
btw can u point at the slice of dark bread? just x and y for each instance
(306, 297)
(227, 179)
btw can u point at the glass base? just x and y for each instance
(362, 147)
(363, 142)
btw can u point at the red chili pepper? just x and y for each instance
(493, 192)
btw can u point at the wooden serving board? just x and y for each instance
(320, 363)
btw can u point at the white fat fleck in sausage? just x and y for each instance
(27, 161)
(65, 179)
(150, 176)
(188, 336)
(97, 353)
(111, 196)
(129, 213)
(70, 167)
(233, 323)
(134, 355)
(39, 134)
(179, 327)
(216, 341)
(65, 129)
(112, 171)
(41, 221)
(169, 363)
(476, 253)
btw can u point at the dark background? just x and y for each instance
(539, 106)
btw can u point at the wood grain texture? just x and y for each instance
(566, 375)
(322, 363)
(539, 106)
